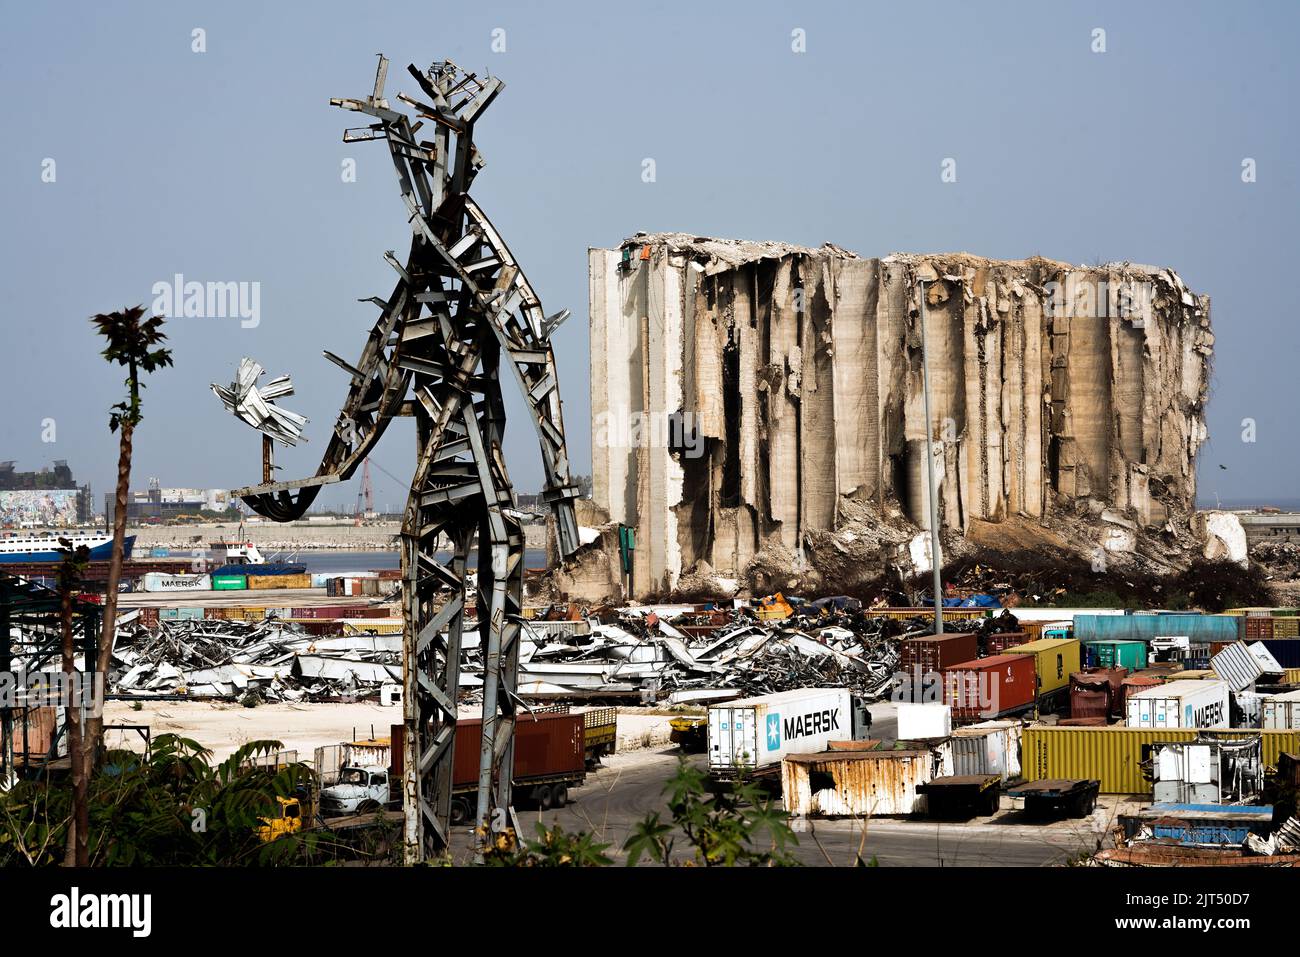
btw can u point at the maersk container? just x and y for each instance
(933, 653)
(1281, 712)
(756, 733)
(1115, 654)
(990, 687)
(1200, 629)
(1180, 704)
(1055, 659)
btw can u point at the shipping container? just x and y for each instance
(987, 748)
(990, 687)
(931, 654)
(1198, 628)
(229, 582)
(163, 581)
(1255, 627)
(1131, 655)
(756, 733)
(1235, 664)
(1281, 712)
(1285, 650)
(1055, 660)
(1087, 686)
(265, 582)
(855, 783)
(999, 643)
(1179, 704)
(547, 745)
(1114, 755)
(371, 626)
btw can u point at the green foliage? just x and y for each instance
(170, 807)
(722, 829)
(554, 847)
(136, 342)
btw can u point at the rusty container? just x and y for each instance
(1110, 681)
(999, 643)
(934, 653)
(990, 687)
(546, 745)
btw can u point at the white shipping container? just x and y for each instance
(160, 581)
(917, 721)
(758, 732)
(1180, 704)
(1281, 712)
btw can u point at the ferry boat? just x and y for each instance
(242, 558)
(45, 547)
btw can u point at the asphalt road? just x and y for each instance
(619, 795)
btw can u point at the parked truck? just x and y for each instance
(753, 735)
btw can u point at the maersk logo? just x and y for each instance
(773, 731)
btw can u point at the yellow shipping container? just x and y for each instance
(264, 582)
(1293, 676)
(949, 614)
(1056, 658)
(1114, 755)
(1286, 627)
(378, 626)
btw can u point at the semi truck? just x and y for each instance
(550, 758)
(751, 736)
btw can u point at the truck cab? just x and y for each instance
(358, 791)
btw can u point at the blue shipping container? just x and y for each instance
(1201, 629)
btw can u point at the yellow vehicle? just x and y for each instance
(690, 732)
(289, 821)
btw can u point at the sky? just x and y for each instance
(130, 156)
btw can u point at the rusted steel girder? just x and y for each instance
(461, 308)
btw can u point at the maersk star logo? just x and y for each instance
(773, 732)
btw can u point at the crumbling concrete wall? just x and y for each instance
(748, 397)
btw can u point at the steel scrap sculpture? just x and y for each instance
(461, 310)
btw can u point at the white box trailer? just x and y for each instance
(755, 734)
(1180, 704)
(1281, 712)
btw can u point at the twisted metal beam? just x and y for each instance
(460, 309)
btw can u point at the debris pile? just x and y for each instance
(278, 661)
(691, 654)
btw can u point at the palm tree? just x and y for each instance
(135, 342)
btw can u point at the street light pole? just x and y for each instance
(936, 557)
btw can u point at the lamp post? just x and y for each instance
(936, 557)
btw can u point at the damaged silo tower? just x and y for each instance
(749, 396)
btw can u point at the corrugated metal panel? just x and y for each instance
(1199, 628)
(1115, 654)
(1113, 755)
(855, 784)
(1237, 666)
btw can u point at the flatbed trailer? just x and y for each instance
(962, 795)
(1058, 797)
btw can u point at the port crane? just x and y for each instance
(461, 316)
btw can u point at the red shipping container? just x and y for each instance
(934, 653)
(1107, 681)
(989, 687)
(546, 744)
(999, 643)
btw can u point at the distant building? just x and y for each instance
(1270, 526)
(48, 498)
(156, 502)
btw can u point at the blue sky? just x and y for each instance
(225, 166)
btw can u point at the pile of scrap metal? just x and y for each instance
(686, 653)
(278, 661)
(1237, 835)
